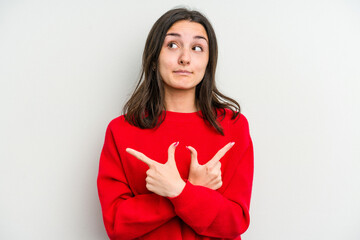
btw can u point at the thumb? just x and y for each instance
(171, 152)
(193, 153)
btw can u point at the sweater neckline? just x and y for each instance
(180, 116)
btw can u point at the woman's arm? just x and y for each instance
(125, 215)
(215, 214)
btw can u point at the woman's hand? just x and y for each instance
(209, 174)
(162, 179)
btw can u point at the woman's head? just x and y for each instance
(146, 105)
(183, 58)
(152, 68)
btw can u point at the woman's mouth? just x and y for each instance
(182, 72)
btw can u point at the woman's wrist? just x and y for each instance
(178, 189)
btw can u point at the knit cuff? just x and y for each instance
(185, 197)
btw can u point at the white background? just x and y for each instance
(67, 67)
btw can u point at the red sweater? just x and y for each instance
(130, 211)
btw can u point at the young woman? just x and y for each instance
(179, 163)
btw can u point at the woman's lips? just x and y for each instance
(182, 72)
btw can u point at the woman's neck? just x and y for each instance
(180, 101)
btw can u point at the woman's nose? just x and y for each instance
(184, 58)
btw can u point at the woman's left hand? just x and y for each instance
(209, 174)
(162, 179)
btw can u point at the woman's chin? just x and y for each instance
(182, 88)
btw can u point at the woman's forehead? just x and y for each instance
(186, 28)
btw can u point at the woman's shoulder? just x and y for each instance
(237, 124)
(118, 122)
(235, 117)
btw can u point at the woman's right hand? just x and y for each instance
(162, 179)
(209, 174)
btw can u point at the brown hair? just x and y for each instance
(145, 107)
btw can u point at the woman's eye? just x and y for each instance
(172, 45)
(198, 48)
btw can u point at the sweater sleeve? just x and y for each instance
(125, 215)
(221, 214)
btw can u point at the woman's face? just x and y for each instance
(184, 56)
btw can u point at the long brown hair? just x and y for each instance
(145, 107)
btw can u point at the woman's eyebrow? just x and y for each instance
(178, 35)
(201, 37)
(173, 34)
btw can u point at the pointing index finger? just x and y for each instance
(139, 155)
(220, 154)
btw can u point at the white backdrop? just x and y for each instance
(66, 68)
